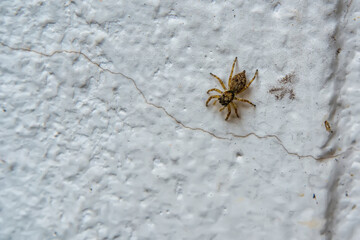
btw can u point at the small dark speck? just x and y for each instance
(12, 167)
(346, 194)
(338, 51)
(4, 110)
(314, 196)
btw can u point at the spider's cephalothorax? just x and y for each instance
(237, 84)
(226, 98)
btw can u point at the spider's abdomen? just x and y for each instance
(226, 98)
(238, 82)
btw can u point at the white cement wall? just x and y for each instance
(104, 133)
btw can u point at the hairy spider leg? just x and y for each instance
(229, 112)
(221, 82)
(234, 106)
(222, 108)
(244, 100)
(247, 85)
(211, 97)
(231, 73)
(215, 89)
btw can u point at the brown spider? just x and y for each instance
(237, 84)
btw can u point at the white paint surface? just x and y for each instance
(116, 142)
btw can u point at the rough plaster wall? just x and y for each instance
(105, 134)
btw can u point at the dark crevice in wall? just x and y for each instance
(337, 78)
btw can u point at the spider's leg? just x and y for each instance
(222, 108)
(229, 112)
(244, 100)
(221, 82)
(232, 70)
(211, 97)
(215, 89)
(247, 85)
(234, 105)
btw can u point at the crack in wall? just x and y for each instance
(325, 156)
(338, 77)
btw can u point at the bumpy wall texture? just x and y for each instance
(104, 133)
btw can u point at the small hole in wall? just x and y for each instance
(276, 7)
(239, 156)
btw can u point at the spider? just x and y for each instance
(237, 84)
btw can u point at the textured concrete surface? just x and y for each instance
(105, 134)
